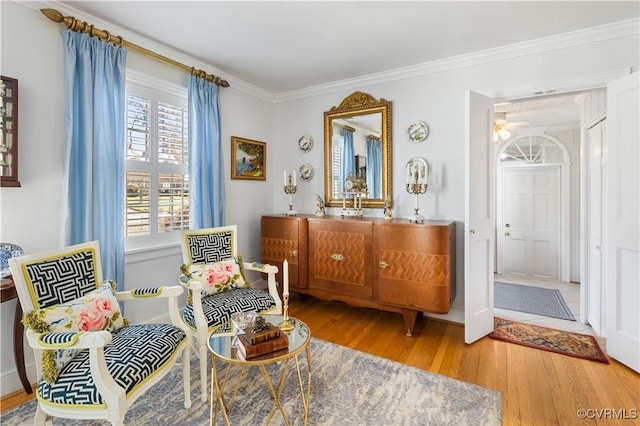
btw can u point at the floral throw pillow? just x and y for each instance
(220, 276)
(95, 311)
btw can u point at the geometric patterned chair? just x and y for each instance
(90, 363)
(202, 248)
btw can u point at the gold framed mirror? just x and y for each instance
(357, 141)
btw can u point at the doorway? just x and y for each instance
(538, 199)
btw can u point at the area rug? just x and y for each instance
(348, 388)
(534, 300)
(548, 339)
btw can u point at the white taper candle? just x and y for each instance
(285, 278)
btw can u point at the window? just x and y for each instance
(532, 150)
(156, 163)
(337, 149)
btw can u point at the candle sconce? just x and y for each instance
(290, 188)
(417, 183)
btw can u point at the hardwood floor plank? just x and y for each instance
(537, 387)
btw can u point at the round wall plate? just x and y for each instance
(306, 172)
(417, 131)
(305, 143)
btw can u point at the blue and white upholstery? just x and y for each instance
(213, 245)
(108, 371)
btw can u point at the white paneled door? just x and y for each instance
(479, 225)
(622, 287)
(531, 216)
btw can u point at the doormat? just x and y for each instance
(548, 339)
(533, 300)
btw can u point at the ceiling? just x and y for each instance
(285, 46)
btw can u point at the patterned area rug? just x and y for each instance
(348, 388)
(533, 300)
(548, 339)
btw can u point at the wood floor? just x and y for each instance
(538, 388)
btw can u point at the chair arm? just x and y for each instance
(191, 284)
(79, 340)
(171, 293)
(148, 292)
(94, 341)
(271, 272)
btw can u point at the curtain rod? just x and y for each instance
(80, 26)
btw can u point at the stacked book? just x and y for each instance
(255, 343)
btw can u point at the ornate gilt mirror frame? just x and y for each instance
(353, 113)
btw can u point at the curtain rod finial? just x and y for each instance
(53, 14)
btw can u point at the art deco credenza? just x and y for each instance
(391, 265)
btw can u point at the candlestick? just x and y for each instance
(418, 168)
(290, 188)
(287, 324)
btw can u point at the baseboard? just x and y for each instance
(455, 316)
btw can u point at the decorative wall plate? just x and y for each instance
(305, 143)
(306, 172)
(417, 131)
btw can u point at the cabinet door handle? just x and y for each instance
(382, 264)
(294, 253)
(336, 256)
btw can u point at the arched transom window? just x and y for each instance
(534, 149)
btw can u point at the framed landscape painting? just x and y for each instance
(248, 159)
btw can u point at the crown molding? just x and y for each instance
(575, 38)
(235, 83)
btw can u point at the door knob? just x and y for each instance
(382, 264)
(507, 233)
(507, 225)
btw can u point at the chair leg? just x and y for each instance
(186, 375)
(41, 417)
(203, 370)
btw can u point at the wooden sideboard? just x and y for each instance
(391, 265)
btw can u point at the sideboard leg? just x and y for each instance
(409, 316)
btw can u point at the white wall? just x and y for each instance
(31, 51)
(439, 99)
(29, 216)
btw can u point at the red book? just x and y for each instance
(249, 350)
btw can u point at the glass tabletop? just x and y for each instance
(222, 338)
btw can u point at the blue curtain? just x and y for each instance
(206, 162)
(374, 168)
(349, 156)
(94, 101)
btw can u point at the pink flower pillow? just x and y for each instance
(95, 311)
(220, 276)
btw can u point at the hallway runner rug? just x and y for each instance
(533, 300)
(548, 339)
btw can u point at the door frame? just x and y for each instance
(574, 84)
(584, 220)
(564, 236)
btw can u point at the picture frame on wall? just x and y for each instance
(248, 159)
